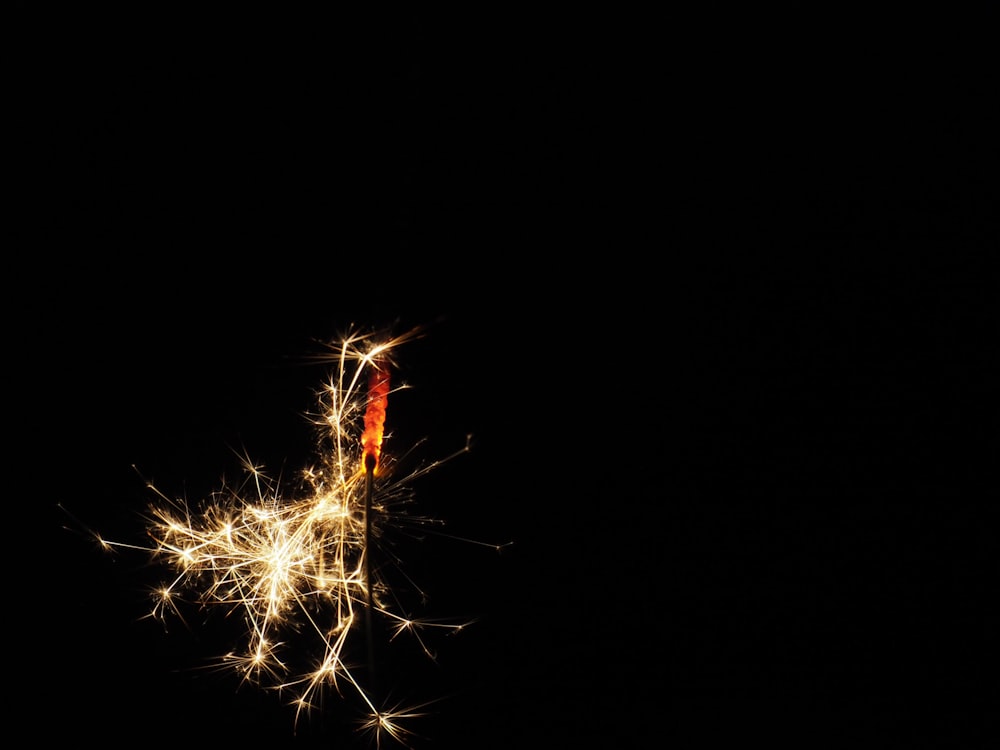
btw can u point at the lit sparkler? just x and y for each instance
(300, 569)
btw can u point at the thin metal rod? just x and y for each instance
(369, 582)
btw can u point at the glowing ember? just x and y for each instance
(378, 398)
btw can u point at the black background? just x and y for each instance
(710, 294)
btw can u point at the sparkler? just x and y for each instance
(371, 443)
(299, 568)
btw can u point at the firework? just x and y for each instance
(298, 566)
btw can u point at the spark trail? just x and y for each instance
(298, 567)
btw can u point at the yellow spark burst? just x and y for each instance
(294, 566)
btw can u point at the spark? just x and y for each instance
(297, 568)
(390, 724)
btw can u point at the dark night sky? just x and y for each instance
(714, 307)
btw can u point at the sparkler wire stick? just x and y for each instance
(370, 602)
(371, 443)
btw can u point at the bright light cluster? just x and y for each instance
(294, 568)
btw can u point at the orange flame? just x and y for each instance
(378, 398)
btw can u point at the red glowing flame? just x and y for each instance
(378, 399)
